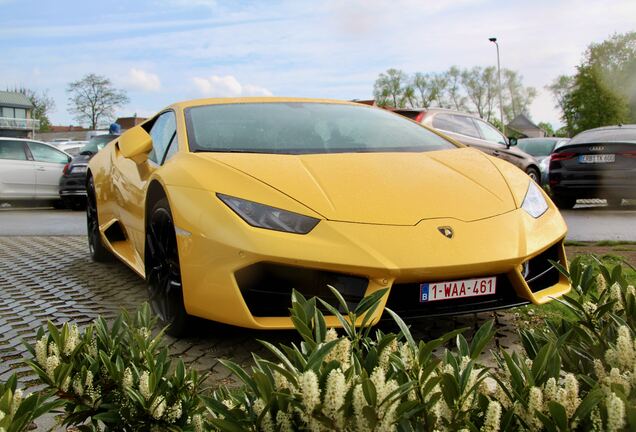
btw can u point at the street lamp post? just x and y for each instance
(503, 128)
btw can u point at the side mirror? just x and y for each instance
(512, 141)
(135, 144)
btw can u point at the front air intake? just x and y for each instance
(267, 287)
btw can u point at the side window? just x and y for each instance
(490, 133)
(455, 123)
(163, 131)
(13, 150)
(44, 153)
(173, 149)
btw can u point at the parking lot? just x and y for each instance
(46, 274)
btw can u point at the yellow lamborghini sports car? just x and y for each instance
(226, 205)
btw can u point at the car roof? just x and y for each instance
(25, 139)
(618, 133)
(451, 111)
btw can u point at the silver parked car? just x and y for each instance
(30, 170)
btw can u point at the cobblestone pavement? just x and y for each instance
(53, 278)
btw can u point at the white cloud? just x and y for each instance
(227, 86)
(139, 79)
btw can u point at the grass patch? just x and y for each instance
(598, 243)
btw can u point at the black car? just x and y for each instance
(598, 163)
(73, 180)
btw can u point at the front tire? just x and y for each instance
(98, 251)
(163, 271)
(534, 174)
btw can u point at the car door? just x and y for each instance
(49, 163)
(495, 139)
(131, 180)
(461, 128)
(17, 172)
(500, 147)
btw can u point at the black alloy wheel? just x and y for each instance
(163, 272)
(98, 251)
(534, 175)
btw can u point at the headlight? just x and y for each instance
(263, 216)
(534, 203)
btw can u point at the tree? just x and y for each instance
(93, 99)
(481, 89)
(547, 127)
(408, 97)
(454, 77)
(603, 91)
(389, 88)
(422, 83)
(615, 63)
(43, 105)
(560, 88)
(591, 103)
(439, 84)
(516, 97)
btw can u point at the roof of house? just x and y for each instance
(14, 99)
(522, 123)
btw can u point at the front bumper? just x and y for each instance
(216, 248)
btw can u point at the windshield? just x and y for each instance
(97, 143)
(537, 147)
(303, 128)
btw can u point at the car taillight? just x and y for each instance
(561, 156)
(630, 154)
(65, 170)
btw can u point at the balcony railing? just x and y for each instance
(19, 123)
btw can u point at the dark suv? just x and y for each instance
(597, 163)
(472, 131)
(73, 180)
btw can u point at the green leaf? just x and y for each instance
(315, 359)
(481, 338)
(462, 345)
(559, 416)
(591, 400)
(368, 301)
(240, 373)
(403, 328)
(279, 354)
(368, 389)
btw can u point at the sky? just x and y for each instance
(163, 51)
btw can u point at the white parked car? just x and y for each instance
(71, 147)
(30, 170)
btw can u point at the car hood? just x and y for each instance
(383, 188)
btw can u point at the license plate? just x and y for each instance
(457, 289)
(78, 169)
(597, 158)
